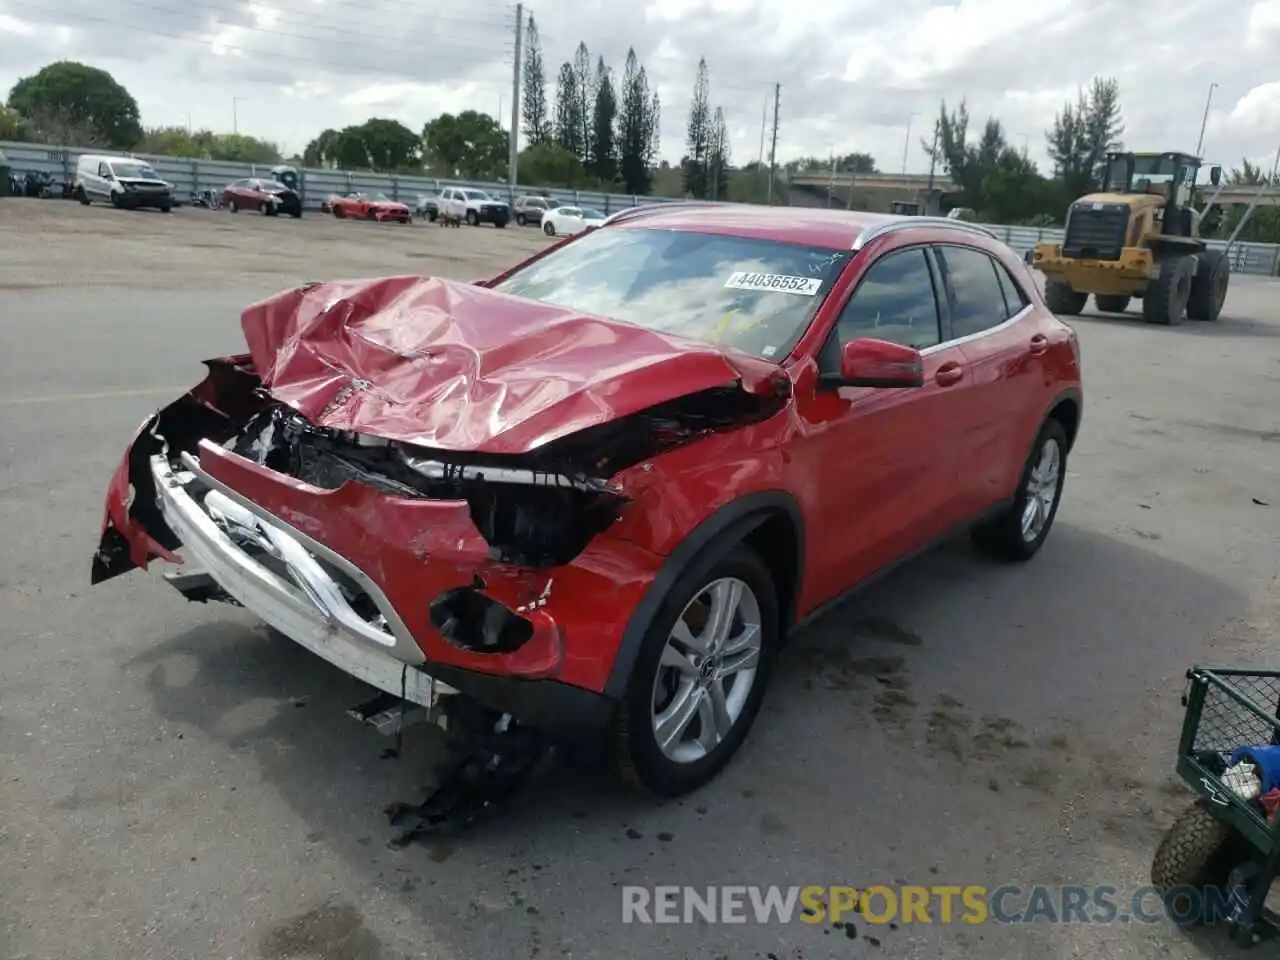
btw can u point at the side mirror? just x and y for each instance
(1215, 175)
(866, 362)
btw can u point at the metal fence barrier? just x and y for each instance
(194, 176)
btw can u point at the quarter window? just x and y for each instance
(977, 300)
(1015, 301)
(894, 301)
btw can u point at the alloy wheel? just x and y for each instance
(1041, 490)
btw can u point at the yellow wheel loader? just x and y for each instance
(1139, 238)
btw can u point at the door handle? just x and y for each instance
(1039, 344)
(948, 374)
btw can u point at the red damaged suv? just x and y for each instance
(598, 492)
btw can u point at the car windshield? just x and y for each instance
(476, 195)
(134, 171)
(756, 296)
(589, 214)
(381, 198)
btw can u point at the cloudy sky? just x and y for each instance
(854, 75)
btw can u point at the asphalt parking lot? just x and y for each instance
(175, 783)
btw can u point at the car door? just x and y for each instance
(884, 460)
(992, 326)
(102, 182)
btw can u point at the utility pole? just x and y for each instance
(773, 146)
(1204, 122)
(235, 118)
(906, 143)
(933, 154)
(513, 157)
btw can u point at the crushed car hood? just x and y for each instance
(455, 366)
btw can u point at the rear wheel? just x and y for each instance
(1167, 296)
(700, 676)
(1198, 851)
(1115, 303)
(1062, 299)
(1209, 286)
(1019, 531)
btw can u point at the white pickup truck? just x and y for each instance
(474, 206)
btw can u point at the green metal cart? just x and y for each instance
(1217, 862)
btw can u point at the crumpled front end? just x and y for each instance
(406, 564)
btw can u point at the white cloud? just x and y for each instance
(852, 75)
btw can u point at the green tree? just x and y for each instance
(171, 142)
(604, 159)
(13, 126)
(533, 107)
(718, 158)
(239, 148)
(584, 100)
(390, 145)
(550, 164)
(470, 144)
(569, 121)
(1083, 134)
(75, 104)
(698, 136)
(322, 151)
(637, 128)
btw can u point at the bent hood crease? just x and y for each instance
(451, 365)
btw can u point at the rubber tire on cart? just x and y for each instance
(473, 218)
(82, 196)
(1209, 288)
(549, 229)
(232, 207)
(1166, 299)
(1112, 303)
(634, 754)
(1001, 537)
(1061, 299)
(1198, 851)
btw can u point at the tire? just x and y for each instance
(549, 229)
(500, 224)
(432, 216)
(339, 213)
(296, 214)
(1114, 303)
(473, 218)
(1198, 851)
(1166, 298)
(1013, 535)
(165, 209)
(371, 215)
(520, 221)
(265, 209)
(1209, 287)
(635, 754)
(82, 196)
(116, 201)
(1061, 299)
(232, 207)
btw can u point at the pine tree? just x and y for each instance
(585, 100)
(604, 115)
(698, 137)
(718, 157)
(1083, 134)
(637, 120)
(568, 127)
(533, 106)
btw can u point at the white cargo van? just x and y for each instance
(122, 182)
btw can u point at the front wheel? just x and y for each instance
(519, 219)
(1018, 532)
(549, 229)
(232, 207)
(1209, 287)
(1062, 300)
(339, 213)
(1166, 298)
(82, 196)
(1198, 852)
(699, 678)
(473, 218)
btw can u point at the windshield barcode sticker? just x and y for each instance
(777, 282)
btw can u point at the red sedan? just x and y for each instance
(594, 495)
(268, 197)
(365, 206)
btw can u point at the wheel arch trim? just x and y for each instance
(712, 537)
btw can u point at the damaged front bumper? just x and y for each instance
(299, 594)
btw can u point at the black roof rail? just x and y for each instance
(906, 223)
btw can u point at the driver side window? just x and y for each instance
(894, 301)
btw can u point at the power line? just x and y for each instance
(385, 70)
(448, 44)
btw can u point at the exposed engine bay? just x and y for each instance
(538, 509)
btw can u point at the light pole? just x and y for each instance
(1204, 122)
(235, 114)
(906, 143)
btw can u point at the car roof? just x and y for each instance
(810, 226)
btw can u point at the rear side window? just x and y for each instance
(894, 301)
(974, 289)
(1015, 301)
